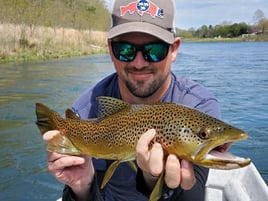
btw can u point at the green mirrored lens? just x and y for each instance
(124, 51)
(155, 52)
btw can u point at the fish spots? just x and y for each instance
(180, 130)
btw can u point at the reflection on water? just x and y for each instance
(235, 72)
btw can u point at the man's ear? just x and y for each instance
(175, 48)
(110, 50)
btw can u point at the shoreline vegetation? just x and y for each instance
(245, 38)
(24, 43)
(41, 30)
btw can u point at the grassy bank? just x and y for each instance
(251, 38)
(212, 39)
(20, 43)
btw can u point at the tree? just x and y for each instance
(258, 16)
(237, 29)
(221, 31)
(203, 31)
(260, 21)
(82, 14)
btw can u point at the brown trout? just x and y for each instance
(183, 131)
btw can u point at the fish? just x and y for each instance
(186, 132)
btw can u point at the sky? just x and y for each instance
(195, 13)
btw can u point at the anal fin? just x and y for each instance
(157, 190)
(133, 165)
(109, 172)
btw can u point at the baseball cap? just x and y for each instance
(154, 17)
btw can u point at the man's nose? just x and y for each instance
(139, 62)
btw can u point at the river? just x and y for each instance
(237, 73)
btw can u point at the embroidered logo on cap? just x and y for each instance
(141, 7)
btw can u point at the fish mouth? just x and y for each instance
(221, 152)
(218, 156)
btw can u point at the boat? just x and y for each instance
(243, 184)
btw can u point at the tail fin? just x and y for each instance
(45, 118)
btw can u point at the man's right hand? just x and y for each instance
(75, 171)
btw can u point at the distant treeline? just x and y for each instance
(82, 14)
(225, 31)
(230, 30)
(233, 30)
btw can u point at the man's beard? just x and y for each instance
(142, 89)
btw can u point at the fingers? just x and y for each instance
(142, 151)
(187, 175)
(179, 173)
(71, 170)
(74, 171)
(144, 141)
(156, 160)
(150, 161)
(173, 175)
(58, 161)
(47, 136)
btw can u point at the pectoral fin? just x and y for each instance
(109, 172)
(157, 191)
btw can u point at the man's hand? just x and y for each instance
(177, 173)
(74, 171)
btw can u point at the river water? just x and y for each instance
(237, 73)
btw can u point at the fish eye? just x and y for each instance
(203, 133)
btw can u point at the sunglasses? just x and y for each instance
(152, 52)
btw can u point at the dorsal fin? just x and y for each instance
(109, 106)
(69, 114)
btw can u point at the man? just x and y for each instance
(142, 46)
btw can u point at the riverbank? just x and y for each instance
(22, 43)
(246, 38)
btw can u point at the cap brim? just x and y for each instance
(142, 27)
